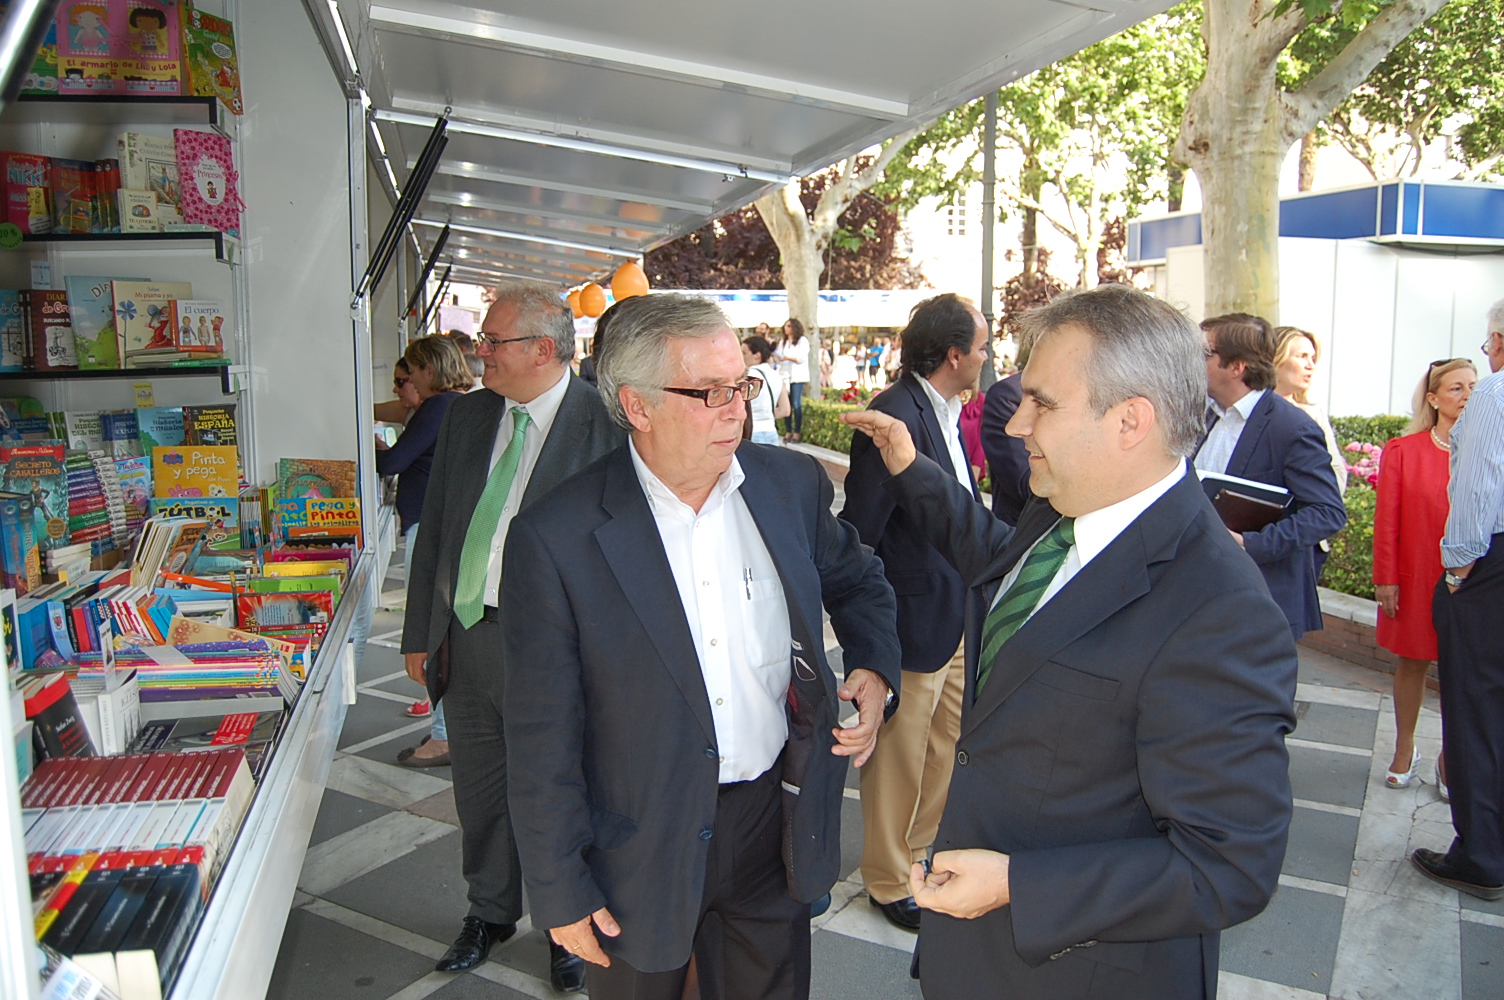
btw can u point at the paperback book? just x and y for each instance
(160, 427)
(91, 308)
(196, 471)
(206, 168)
(88, 45)
(209, 425)
(28, 192)
(298, 478)
(143, 316)
(150, 163)
(223, 517)
(209, 58)
(37, 470)
(12, 332)
(151, 60)
(198, 326)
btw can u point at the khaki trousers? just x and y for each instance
(905, 782)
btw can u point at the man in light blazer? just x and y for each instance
(1121, 791)
(670, 714)
(501, 448)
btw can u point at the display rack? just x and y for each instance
(109, 109)
(222, 245)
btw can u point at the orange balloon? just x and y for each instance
(629, 280)
(574, 303)
(592, 300)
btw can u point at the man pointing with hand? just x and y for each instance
(1120, 792)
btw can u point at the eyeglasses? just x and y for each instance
(721, 395)
(487, 339)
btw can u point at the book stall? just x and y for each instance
(181, 600)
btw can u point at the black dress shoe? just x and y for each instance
(1435, 866)
(565, 971)
(901, 913)
(474, 944)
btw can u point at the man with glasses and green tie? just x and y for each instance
(1120, 792)
(501, 448)
(672, 720)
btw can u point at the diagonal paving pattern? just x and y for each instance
(381, 892)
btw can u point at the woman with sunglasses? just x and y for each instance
(436, 375)
(1407, 530)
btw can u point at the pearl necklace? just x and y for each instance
(1443, 445)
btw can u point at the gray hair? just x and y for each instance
(541, 312)
(1496, 318)
(635, 355)
(1141, 346)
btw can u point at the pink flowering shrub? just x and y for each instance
(1366, 467)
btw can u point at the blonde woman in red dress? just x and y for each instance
(1407, 530)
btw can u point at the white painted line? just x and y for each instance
(384, 678)
(1327, 807)
(1345, 697)
(1312, 885)
(383, 643)
(505, 975)
(1291, 741)
(376, 741)
(386, 784)
(1231, 986)
(429, 984)
(1479, 917)
(378, 929)
(384, 635)
(405, 699)
(366, 848)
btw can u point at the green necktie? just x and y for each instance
(1010, 613)
(475, 557)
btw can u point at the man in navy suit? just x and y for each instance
(1007, 458)
(1254, 434)
(1121, 792)
(670, 716)
(903, 786)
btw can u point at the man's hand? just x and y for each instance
(1237, 537)
(579, 939)
(890, 435)
(1461, 571)
(1388, 595)
(963, 884)
(414, 663)
(869, 691)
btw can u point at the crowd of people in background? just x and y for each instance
(1116, 408)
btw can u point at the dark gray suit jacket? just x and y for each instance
(1127, 752)
(582, 432)
(610, 740)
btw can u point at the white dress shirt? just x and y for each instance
(1094, 532)
(1223, 439)
(542, 410)
(737, 614)
(948, 415)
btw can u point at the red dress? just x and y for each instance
(1407, 529)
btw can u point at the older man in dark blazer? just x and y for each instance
(903, 788)
(501, 448)
(671, 716)
(1121, 792)
(1255, 434)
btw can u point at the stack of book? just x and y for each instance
(88, 507)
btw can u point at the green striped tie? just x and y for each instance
(475, 556)
(1009, 614)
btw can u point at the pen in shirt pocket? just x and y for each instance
(747, 581)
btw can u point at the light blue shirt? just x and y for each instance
(1477, 488)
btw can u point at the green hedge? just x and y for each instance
(1369, 430)
(1350, 567)
(823, 427)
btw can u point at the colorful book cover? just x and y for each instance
(122, 436)
(83, 430)
(73, 196)
(107, 187)
(20, 559)
(196, 471)
(209, 58)
(143, 315)
(12, 332)
(91, 307)
(150, 163)
(160, 427)
(314, 477)
(42, 78)
(273, 611)
(28, 192)
(198, 326)
(330, 514)
(151, 62)
(37, 470)
(137, 211)
(135, 487)
(52, 346)
(206, 169)
(89, 40)
(209, 424)
(223, 517)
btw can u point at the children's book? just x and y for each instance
(135, 487)
(83, 430)
(205, 471)
(28, 192)
(209, 58)
(209, 424)
(42, 78)
(137, 211)
(89, 39)
(91, 307)
(20, 559)
(312, 477)
(73, 197)
(160, 427)
(151, 60)
(206, 169)
(198, 326)
(122, 437)
(52, 347)
(143, 316)
(150, 163)
(107, 188)
(12, 332)
(37, 470)
(222, 515)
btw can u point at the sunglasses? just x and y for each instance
(400, 382)
(721, 395)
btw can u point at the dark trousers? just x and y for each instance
(1471, 669)
(478, 758)
(752, 941)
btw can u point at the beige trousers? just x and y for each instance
(905, 782)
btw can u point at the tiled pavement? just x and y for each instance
(381, 894)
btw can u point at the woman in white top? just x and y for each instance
(757, 353)
(792, 357)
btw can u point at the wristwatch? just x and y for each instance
(1452, 579)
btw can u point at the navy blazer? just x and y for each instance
(1127, 752)
(1282, 446)
(1007, 458)
(613, 753)
(931, 596)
